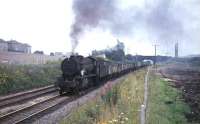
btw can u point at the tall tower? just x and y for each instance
(176, 50)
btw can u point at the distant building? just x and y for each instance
(14, 46)
(115, 53)
(61, 54)
(119, 46)
(3, 46)
(52, 54)
(39, 52)
(100, 53)
(103, 55)
(58, 54)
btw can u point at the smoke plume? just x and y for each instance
(89, 14)
(163, 20)
(163, 23)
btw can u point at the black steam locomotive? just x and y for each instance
(80, 72)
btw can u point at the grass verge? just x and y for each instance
(118, 104)
(165, 105)
(14, 78)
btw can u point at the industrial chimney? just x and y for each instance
(176, 50)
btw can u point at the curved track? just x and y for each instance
(24, 114)
(25, 96)
(31, 113)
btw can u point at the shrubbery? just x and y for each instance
(14, 78)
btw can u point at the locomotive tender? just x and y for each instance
(80, 72)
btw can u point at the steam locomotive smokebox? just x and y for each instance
(75, 64)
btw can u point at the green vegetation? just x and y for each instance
(165, 105)
(14, 78)
(118, 104)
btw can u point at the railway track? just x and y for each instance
(28, 113)
(31, 113)
(18, 98)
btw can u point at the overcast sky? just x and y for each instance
(46, 25)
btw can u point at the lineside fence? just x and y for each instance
(144, 105)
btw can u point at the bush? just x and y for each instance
(15, 78)
(111, 97)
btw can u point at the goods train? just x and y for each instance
(79, 73)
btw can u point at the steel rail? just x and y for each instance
(27, 119)
(26, 92)
(11, 114)
(15, 99)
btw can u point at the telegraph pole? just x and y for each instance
(155, 59)
(155, 55)
(136, 57)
